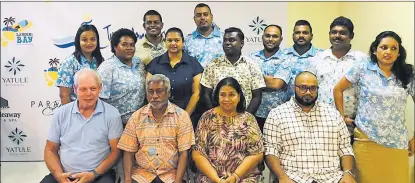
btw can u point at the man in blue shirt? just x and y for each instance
(83, 137)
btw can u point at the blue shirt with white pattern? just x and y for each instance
(279, 67)
(68, 69)
(123, 86)
(381, 106)
(205, 49)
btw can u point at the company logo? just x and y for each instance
(17, 136)
(47, 107)
(51, 74)
(257, 26)
(16, 32)
(13, 66)
(4, 104)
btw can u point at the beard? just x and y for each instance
(204, 28)
(157, 105)
(306, 100)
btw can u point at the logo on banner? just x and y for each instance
(7, 116)
(14, 67)
(257, 26)
(51, 74)
(4, 103)
(47, 107)
(17, 136)
(16, 32)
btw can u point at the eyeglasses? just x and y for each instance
(158, 92)
(304, 89)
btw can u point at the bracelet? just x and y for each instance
(220, 180)
(349, 172)
(238, 178)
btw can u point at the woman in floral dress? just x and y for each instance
(228, 140)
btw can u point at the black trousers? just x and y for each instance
(108, 177)
(261, 122)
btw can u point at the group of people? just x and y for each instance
(164, 107)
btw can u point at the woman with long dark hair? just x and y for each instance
(381, 137)
(87, 54)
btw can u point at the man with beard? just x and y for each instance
(205, 43)
(153, 43)
(159, 135)
(276, 71)
(302, 50)
(306, 141)
(233, 64)
(332, 64)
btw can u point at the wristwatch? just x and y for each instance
(96, 175)
(349, 172)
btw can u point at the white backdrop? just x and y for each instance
(36, 36)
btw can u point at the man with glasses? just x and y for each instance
(159, 136)
(306, 141)
(153, 43)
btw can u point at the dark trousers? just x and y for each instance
(261, 122)
(108, 177)
(156, 180)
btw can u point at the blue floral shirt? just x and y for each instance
(382, 102)
(205, 49)
(299, 63)
(123, 86)
(68, 69)
(279, 67)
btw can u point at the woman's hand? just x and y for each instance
(412, 146)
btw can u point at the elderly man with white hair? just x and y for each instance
(82, 141)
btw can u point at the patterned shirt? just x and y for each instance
(157, 144)
(146, 51)
(205, 49)
(123, 86)
(68, 69)
(226, 141)
(329, 70)
(278, 67)
(245, 71)
(382, 102)
(300, 63)
(308, 144)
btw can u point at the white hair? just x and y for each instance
(159, 78)
(87, 71)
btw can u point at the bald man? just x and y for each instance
(82, 141)
(306, 141)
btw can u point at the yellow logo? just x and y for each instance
(51, 74)
(16, 32)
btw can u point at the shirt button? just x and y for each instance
(173, 80)
(172, 88)
(174, 72)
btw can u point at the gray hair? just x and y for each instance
(87, 71)
(159, 78)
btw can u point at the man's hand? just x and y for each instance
(347, 178)
(84, 177)
(64, 178)
(286, 179)
(412, 146)
(231, 179)
(348, 120)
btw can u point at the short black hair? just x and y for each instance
(175, 29)
(201, 5)
(152, 12)
(116, 36)
(238, 30)
(273, 25)
(343, 21)
(232, 82)
(303, 22)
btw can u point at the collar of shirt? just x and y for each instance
(147, 109)
(298, 107)
(85, 61)
(225, 60)
(329, 53)
(310, 53)
(145, 42)
(117, 62)
(374, 67)
(164, 59)
(99, 108)
(276, 55)
(214, 33)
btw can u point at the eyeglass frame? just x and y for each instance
(307, 88)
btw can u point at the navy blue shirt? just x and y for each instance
(181, 76)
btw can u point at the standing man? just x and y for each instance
(332, 64)
(276, 71)
(233, 64)
(306, 141)
(302, 50)
(205, 43)
(153, 43)
(159, 136)
(82, 141)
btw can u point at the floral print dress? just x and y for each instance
(226, 141)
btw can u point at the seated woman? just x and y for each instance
(381, 137)
(183, 71)
(228, 140)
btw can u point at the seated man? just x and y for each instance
(159, 135)
(82, 141)
(307, 141)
